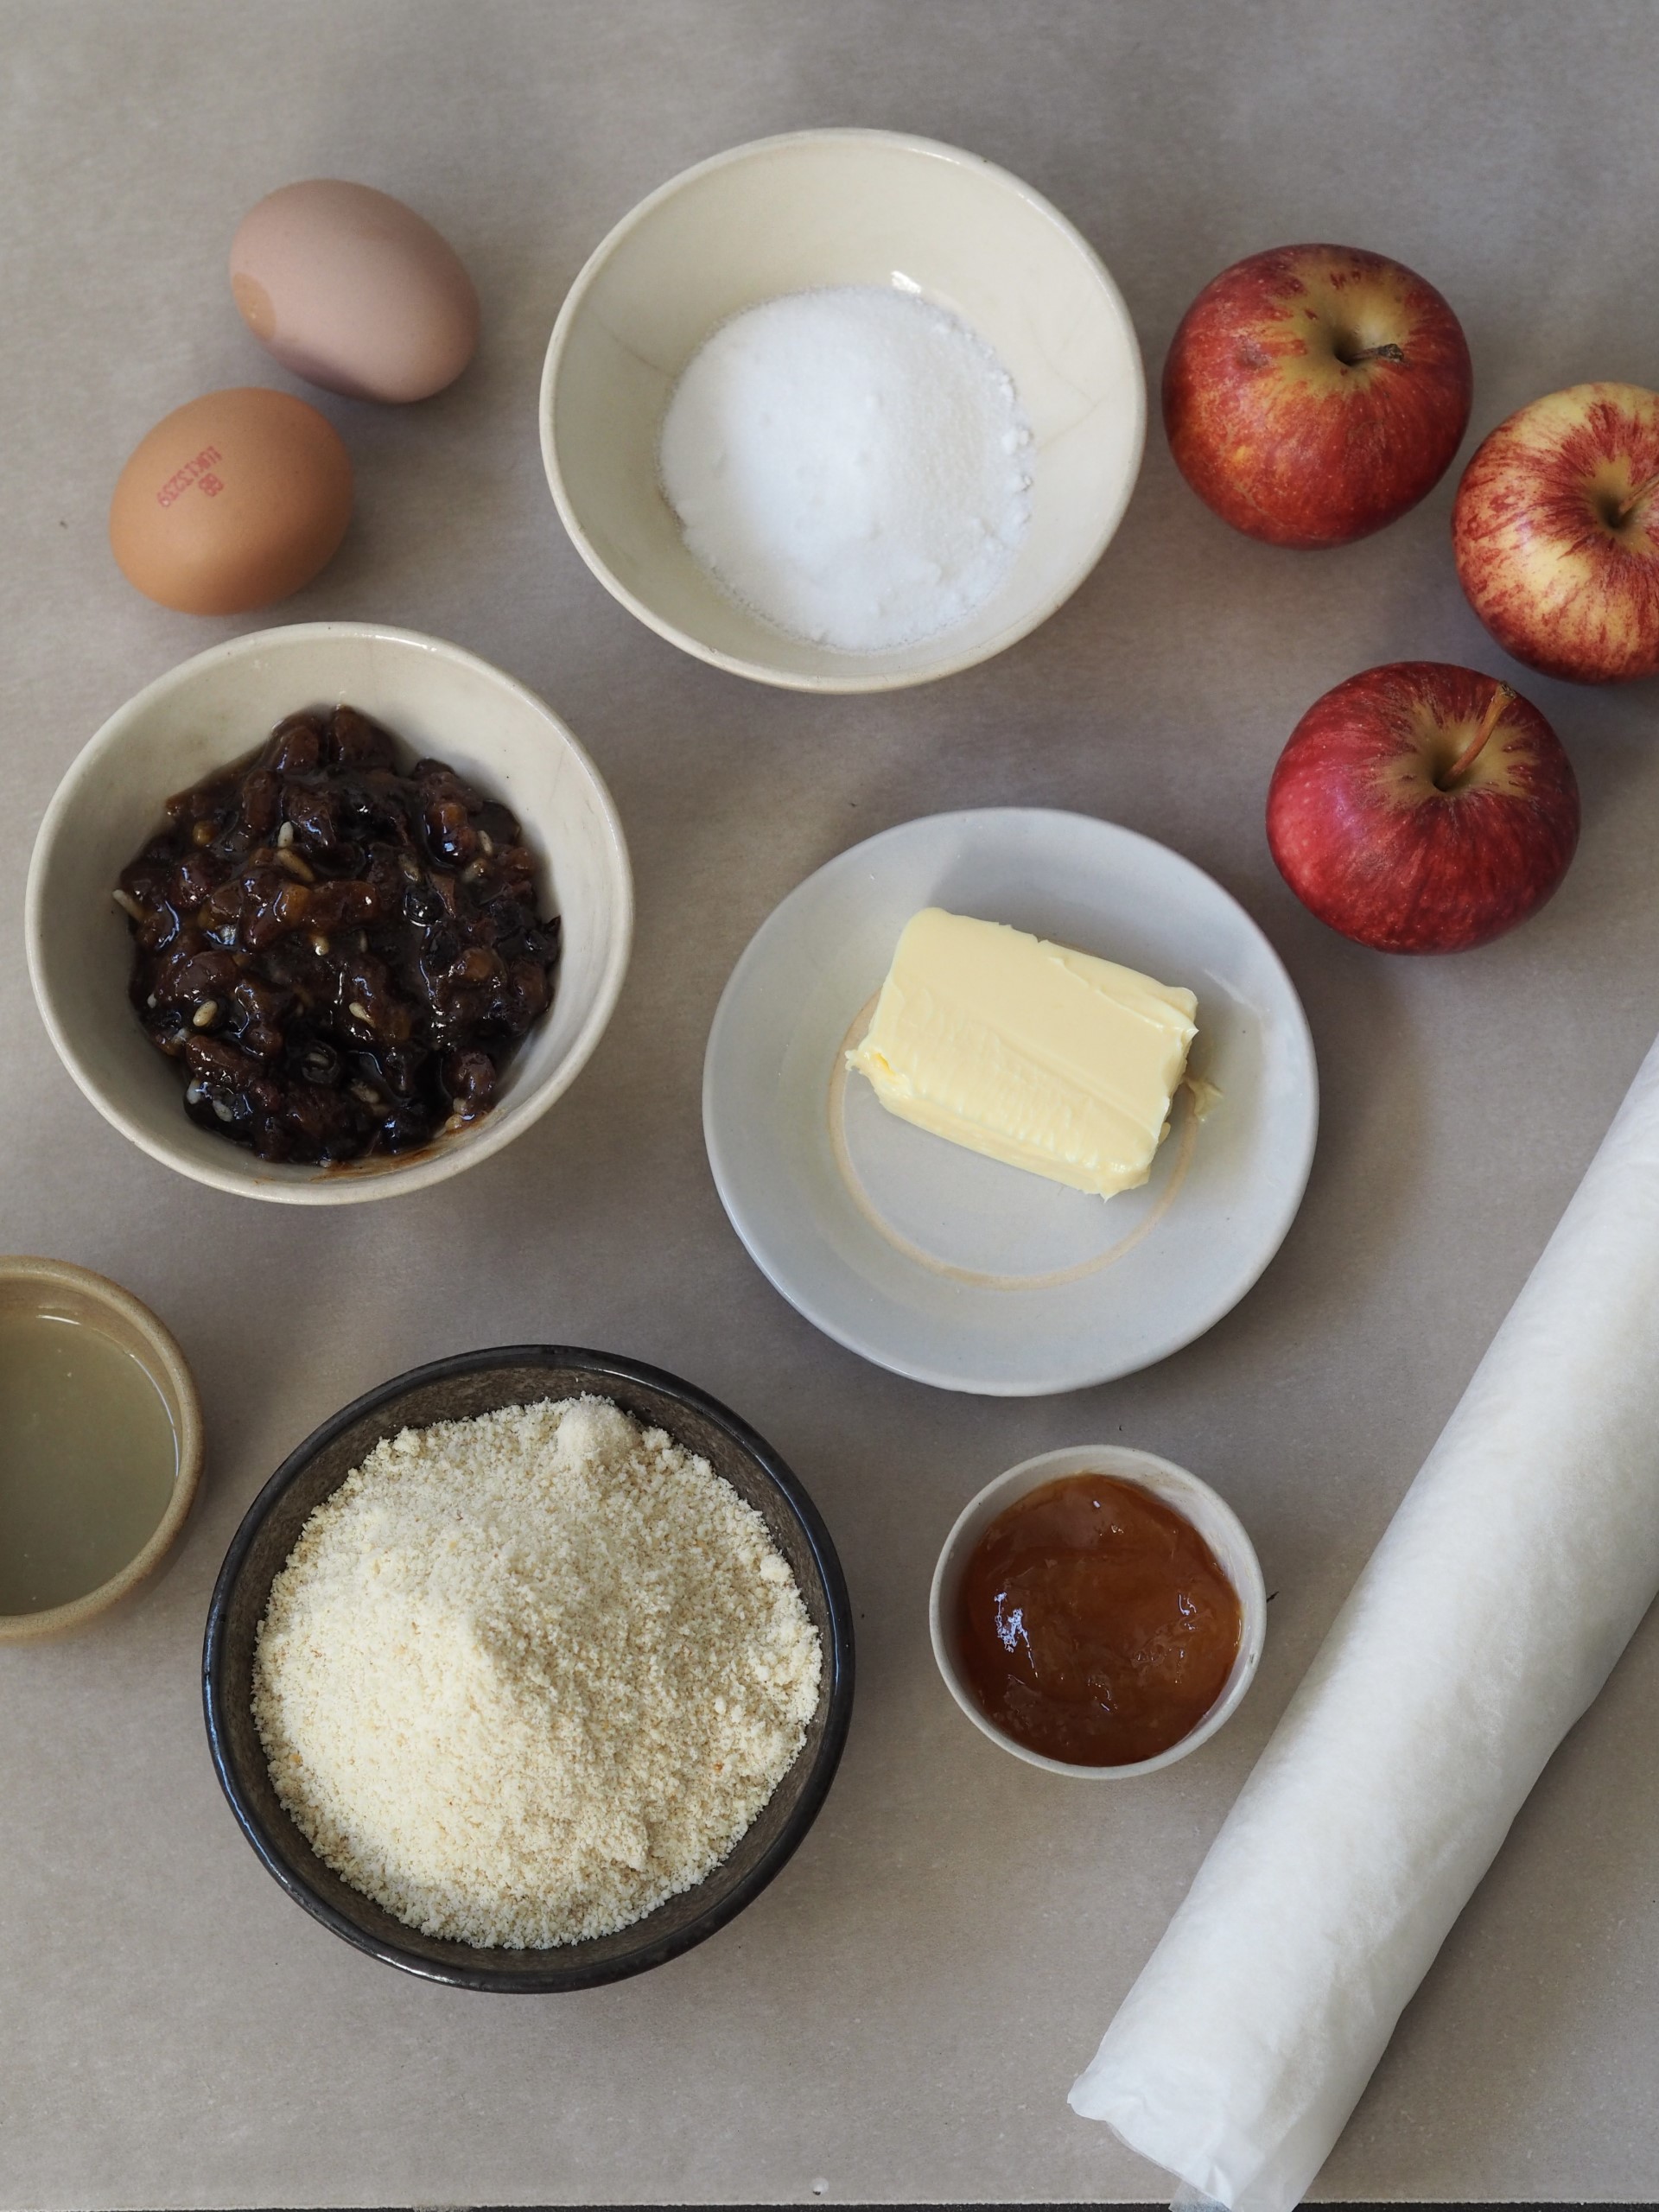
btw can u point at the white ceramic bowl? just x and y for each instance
(216, 709)
(790, 214)
(1211, 1515)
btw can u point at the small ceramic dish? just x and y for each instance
(455, 1390)
(952, 1269)
(791, 214)
(217, 709)
(1195, 1501)
(54, 1290)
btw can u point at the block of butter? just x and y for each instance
(1045, 1058)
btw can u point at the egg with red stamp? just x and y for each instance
(352, 290)
(231, 502)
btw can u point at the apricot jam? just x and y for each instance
(1093, 1624)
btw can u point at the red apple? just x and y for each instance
(1555, 531)
(1422, 808)
(1313, 393)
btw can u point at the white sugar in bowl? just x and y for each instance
(827, 208)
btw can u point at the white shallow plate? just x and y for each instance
(954, 1269)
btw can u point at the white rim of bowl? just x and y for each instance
(438, 1165)
(1015, 1483)
(734, 664)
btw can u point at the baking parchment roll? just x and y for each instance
(1509, 1582)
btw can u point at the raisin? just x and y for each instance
(295, 747)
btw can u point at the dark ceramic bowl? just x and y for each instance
(453, 1389)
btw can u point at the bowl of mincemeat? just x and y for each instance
(529, 1670)
(328, 912)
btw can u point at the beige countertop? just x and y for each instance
(900, 2015)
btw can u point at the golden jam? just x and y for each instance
(1093, 1624)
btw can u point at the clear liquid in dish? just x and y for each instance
(88, 1459)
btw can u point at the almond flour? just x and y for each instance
(525, 1676)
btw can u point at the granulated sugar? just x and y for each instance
(525, 1676)
(851, 464)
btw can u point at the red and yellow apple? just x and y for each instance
(1555, 532)
(1422, 808)
(1313, 393)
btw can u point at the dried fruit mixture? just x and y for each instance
(341, 957)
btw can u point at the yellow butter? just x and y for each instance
(1043, 1058)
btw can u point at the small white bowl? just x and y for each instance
(1211, 1515)
(791, 214)
(215, 709)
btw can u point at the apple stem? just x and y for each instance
(1376, 354)
(1627, 505)
(1502, 696)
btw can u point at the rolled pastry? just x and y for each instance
(1510, 1578)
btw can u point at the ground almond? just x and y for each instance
(525, 1676)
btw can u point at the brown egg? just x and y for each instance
(231, 502)
(352, 290)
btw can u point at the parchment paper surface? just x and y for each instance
(899, 2017)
